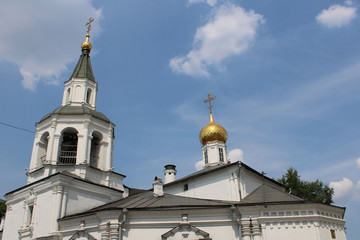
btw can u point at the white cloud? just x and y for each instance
(199, 165)
(230, 31)
(358, 185)
(336, 16)
(236, 155)
(358, 163)
(342, 188)
(210, 2)
(42, 37)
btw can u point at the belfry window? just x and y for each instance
(221, 154)
(68, 148)
(206, 157)
(88, 96)
(95, 149)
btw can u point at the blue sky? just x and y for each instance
(286, 76)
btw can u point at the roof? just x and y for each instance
(265, 193)
(64, 173)
(202, 172)
(147, 201)
(83, 68)
(76, 110)
(211, 169)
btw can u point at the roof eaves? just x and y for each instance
(200, 173)
(256, 172)
(63, 174)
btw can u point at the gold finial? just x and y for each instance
(209, 100)
(89, 25)
(212, 132)
(87, 45)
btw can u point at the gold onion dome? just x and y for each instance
(213, 132)
(86, 45)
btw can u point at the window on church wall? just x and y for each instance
(206, 157)
(88, 96)
(95, 149)
(30, 214)
(333, 235)
(68, 147)
(221, 154)
(43, 145)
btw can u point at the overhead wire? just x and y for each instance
(19, 128)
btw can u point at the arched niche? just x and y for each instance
(68, 146)
(95, 150)
(68, 92)
(43, 145)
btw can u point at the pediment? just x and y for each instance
(185, 231)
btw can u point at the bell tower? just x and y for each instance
(75, 137)
(213, 139)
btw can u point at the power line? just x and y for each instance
(23, 129)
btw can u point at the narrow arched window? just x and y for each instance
(88, 96)
(95, 149)
(68, 148)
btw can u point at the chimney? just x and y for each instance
(170, 173)
(158, 187)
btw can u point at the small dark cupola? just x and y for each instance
(81, 88)
(83, 68)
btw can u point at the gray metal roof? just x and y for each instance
(265, 193)
(67, 174)
(76, 110)
(211, 169)
(83, 68)
(147, 201)
(202, 172)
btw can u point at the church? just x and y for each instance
(72, 191)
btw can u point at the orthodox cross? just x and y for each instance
(89, 25)
(209, 100)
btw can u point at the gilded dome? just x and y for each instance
(213, 132)
(86, 45)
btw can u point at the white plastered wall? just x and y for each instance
(52, 199)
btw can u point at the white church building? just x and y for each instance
(73, 193)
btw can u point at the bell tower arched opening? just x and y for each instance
(95, 149)
(43, 145)
(68, 147)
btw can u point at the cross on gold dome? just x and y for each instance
(209, 100)
(89, 25)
